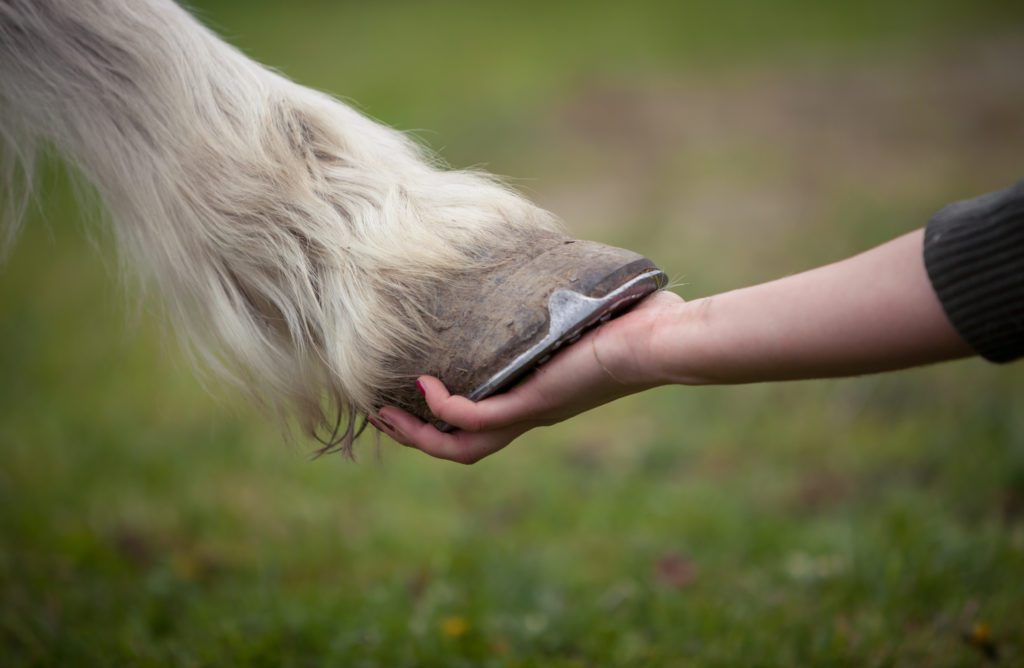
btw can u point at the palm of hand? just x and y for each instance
(611, 361)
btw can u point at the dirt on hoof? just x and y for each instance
(485, 322)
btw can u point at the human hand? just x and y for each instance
(807, 325)
(618, 358)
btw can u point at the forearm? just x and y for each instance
(873, 312)
(877, 311)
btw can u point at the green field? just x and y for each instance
(146, 519)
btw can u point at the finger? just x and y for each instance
(657, 299)
(496, 412)
(462, 447)
(413, 432)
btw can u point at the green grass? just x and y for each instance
(867, 522)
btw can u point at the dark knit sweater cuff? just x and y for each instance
(974, 254)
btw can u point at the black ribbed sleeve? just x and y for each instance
(974, 254)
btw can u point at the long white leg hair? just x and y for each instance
(296, 241)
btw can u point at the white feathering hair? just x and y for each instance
(295, 240)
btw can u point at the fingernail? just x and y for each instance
(419, 386)
(387, 425)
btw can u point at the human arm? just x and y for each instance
(872, 312)
(889, 308)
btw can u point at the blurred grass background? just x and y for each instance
(871, 522)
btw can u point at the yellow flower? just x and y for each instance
(980, 637)
(454, 626)
(981, 633)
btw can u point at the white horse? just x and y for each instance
(298, 244)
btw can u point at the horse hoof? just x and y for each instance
(493, 326)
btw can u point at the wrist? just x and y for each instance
(627, 350)
(665, 341)
(682, 347)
